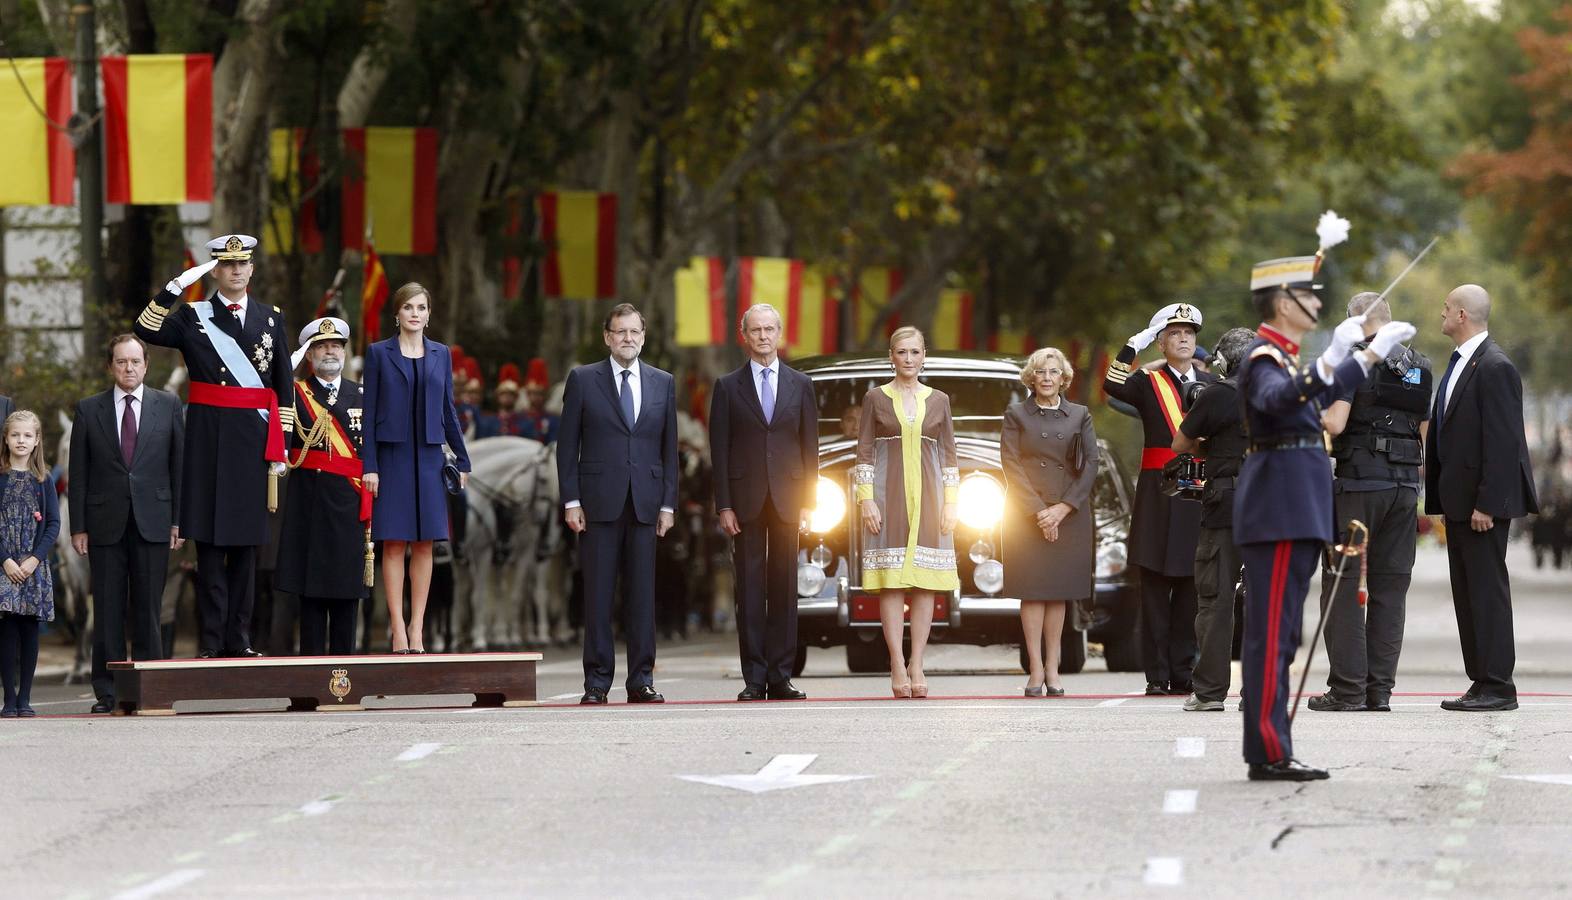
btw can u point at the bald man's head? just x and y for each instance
(1466, 312)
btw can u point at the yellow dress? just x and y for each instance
(907, 464)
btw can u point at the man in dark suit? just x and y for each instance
(617, 467)
(241, 407)
(764, 449)
(124, 496)
(1477, 475)
(6, 407)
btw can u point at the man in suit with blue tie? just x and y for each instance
(764, 449)
(1477, 475)
(124, 495)
(617, 468)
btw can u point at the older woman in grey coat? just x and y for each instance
(1049, 453)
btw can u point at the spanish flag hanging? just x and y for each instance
(390, 183)
(701, 303)
(876, 286)
(373, 296)
(37, 160)
(952, 321)
(158, 128)
(294, 170)
(813, 314)
(579, 229)
(1015, 341)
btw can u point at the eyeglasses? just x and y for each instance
(1038, 373)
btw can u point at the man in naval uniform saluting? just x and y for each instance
(240, 406)
(1164, 531)
(1283, 500)
(324, 548)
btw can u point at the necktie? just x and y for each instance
(766, 396)
(128, 432)
(1446, 381)
(627, 398)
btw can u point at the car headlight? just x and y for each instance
(810, 580)
(989, 576)
(1112, 559)
(829, 506)
(981, 501)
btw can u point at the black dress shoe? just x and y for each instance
(1051, 691)
(246, 653)
(752, 692)
(1378, 704)
(1328, 703)
(1156, 689)
(593, 697)
(104, 705)
(1466, 703)
(645, 694)
(1287, 770)
(786, 691)
(207, 654)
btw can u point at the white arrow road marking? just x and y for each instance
(781, 772)
(416, 751)
(1180, 802)
(1164, 870)
(1542, 779)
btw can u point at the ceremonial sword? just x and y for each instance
(1409, 268)
(1345, 550)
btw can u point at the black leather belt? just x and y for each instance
(1288, 443)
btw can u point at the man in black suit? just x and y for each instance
(124, 496)
(1477, 475)
(617, 467)
(764, 449)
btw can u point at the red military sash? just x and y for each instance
(339, 458)
(1173, 413)
(204, 394)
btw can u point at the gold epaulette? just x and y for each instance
(1270, 351)
(153, 315)
(277, 310)
(286, 418)
(1118, 372)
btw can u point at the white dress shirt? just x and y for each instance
(330, 385)
(758, 378)
(1182, 377)
(120, 407)
(244, 302)
(1465, 352)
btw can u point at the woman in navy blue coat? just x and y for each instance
(408, 414)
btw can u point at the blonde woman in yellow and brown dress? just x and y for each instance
(907, 480)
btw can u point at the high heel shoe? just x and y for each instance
(902, 691)
(919, 690)
(1038, 691)
(412, 636)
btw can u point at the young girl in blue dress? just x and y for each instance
(29, 524)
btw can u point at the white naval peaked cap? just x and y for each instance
(232, 246)
(1177, 314)
(327, 328)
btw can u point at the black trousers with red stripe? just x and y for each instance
(1277, 578)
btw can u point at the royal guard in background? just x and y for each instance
(539, 424)
(240, 407)
(324, 554)
(1283, 502)
(507, 421)
(468, 413)
(1164, 531)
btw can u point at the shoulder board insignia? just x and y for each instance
(1267, 350)
(277, 310)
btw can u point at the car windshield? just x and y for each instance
(977, 401)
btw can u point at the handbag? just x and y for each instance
(1077, 456)
(451, 482)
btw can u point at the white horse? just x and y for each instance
(510, 478)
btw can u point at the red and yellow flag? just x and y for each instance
(876, 286)
(37, 161)
(195, 291)
(391, 184)
(373, 295)
(952, 321)
(1016, 341)
(579, 229)
(294, 170)
(701, 303)
(158, 128)
(813, 314)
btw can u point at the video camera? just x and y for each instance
(1184, 476)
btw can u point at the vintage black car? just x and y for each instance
(832, 608)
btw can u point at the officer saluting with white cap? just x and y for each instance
(1164, 529)
(324, 550)
(241, 404)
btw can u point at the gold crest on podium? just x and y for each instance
(338, 685)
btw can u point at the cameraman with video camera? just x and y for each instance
(1213, 427)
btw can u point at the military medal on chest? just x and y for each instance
(263, 354)
(354, 418)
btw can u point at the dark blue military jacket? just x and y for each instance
(1286, 494)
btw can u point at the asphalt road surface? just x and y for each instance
(974, 792)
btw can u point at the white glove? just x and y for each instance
(1390, 335)
(189, 277)
(1144, 339)
(278, 469)
(1347, 334)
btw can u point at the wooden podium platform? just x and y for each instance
(151, 688)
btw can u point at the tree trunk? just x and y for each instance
(243, 81)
